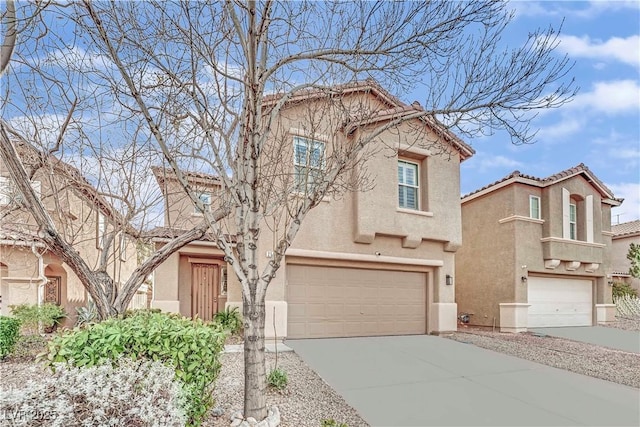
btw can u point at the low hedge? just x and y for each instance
(9, 334)
(191, 347)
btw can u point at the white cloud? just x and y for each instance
(630, 208)
(612, 97)
(526, 8)
(625, 50)
(560, 130)
(484, 161)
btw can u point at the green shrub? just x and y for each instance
(9, 333)
(277, 379)
(87, 315)
(190, 346)
(29, 347)
(332, 423)
(621, 289)
(32, 315)
(122, 393)
(230, 320)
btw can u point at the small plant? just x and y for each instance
(123, 392)
(32, 316)
(621, 289)
(230, 320)
(191, 347)
(332, 423)
(9, 334)
(277, 379)
(87, 315)
(29, 347)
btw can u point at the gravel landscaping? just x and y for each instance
(307, 399)
(582, 358)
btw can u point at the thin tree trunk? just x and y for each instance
(255, 379)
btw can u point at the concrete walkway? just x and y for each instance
(608, 337)
(428, 380)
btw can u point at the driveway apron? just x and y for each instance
(616, 339)
(427, 380)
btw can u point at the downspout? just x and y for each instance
(42, 281)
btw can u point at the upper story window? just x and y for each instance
(408, 188)
(534, 207)
(10, 194)
(573, 221)
(308, 162)
(101, 230)
(205, 198)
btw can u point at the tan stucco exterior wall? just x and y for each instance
(503, 246)
(619, 261)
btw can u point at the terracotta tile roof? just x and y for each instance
(168, 173)
(517, 176)
(396, 109)
(172, 233)
(626, 228)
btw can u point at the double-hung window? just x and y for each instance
(9, 192)
(205, 198)
(408, 188)
(308, 163)
(534, 207)
(573, 222)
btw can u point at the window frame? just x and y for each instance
(101, 230)
(573, 221)
(207, 205)
(415, 187)
(123, 247)
(306, 169)
(539, 207)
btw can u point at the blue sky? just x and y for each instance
(601, 127)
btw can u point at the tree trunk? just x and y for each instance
(255, 382)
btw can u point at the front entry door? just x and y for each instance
(205, 283)
(52, 290)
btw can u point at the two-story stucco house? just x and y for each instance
(624, 235)
(29, 272)
(536, 252)
(376, 262)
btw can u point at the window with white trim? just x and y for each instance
(408, 187)
(205, 198)
(10, 194)
(308, 163)
(534, 207)
(101, 230)
(573, 221)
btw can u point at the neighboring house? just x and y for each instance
(29, 273)
(536, 252)
(623, 235)
(376, 262)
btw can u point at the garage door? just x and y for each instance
(328, 302)
(559, 302)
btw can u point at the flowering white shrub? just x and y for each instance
(124, 393)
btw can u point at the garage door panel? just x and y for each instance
(355, 302)
(559, 302)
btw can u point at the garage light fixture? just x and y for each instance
(448, 280)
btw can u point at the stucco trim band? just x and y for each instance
(608, 233)
(306, 253)
(574, 242)
(520, 218)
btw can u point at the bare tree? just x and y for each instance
(213, 83)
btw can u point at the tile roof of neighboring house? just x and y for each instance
(397, 109)
(33, 156)
(162, 174)
(517, 176)
(172, 233)
(626, 229)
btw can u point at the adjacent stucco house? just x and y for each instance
(376, 262)
(29, 272)
(623, 235)
(536, 252)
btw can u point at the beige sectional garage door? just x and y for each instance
(348, 302)
(559, 302)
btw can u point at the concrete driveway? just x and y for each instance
(608, 337)
(428, 380)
